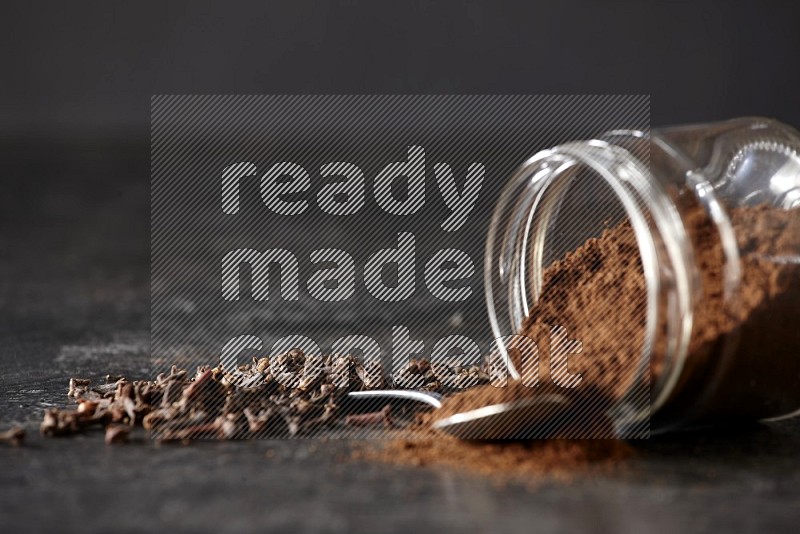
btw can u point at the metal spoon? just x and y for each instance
(519, 419)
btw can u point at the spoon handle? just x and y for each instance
(431, 399)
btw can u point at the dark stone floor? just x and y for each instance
(74, 301)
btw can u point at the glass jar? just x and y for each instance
(715, 210)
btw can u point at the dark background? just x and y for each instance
(75, 86)
(89, 68)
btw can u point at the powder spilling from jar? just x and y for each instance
(742, 358)
(741, 362)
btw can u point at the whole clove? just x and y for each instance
(13, 436)
(116, 433)
(381, 418)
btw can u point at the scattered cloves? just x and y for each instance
(289, 394)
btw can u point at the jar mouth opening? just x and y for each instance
(555, 203)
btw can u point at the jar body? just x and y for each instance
(715, 210)
(745, 176)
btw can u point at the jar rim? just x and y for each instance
(660, 237)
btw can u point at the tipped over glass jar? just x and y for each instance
(671, 258)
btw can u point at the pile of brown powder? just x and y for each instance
(528, 461)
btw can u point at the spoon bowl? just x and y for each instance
(519, 419)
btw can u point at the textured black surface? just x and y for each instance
(738, 482)
(75, 302)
